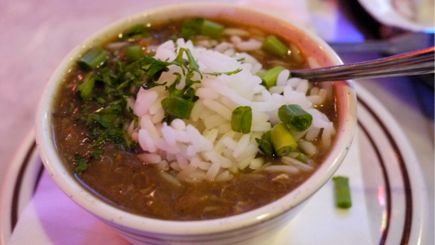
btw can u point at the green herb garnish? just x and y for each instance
(108, 86)
(108, 125)
(192, 62)
(265, 145)
(81, 164)
(229, 73)
(154, 67)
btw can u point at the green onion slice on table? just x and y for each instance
(342, 192)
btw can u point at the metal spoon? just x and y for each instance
(406, 64)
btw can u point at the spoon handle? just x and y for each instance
(412, 63)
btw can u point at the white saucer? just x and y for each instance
(386, 12)
(389, 196)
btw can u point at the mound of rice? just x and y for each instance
(204, 147)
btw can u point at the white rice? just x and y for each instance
(312, 134)
(204, 147)
(282, 168)
(283, 77)
(150, 158)
(307, 147)
(296, 163)
(256, 163)
(236, 32)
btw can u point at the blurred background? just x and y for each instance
(36, 35)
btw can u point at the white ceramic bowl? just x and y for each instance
(243, 227)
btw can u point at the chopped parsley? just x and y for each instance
(81, 164)
(265, 145)
(228, 73)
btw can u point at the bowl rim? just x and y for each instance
(121, 218)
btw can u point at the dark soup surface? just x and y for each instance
(253, 156)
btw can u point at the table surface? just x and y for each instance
(36, 35)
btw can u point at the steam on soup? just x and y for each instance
(193, 119)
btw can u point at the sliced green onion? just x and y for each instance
(294, 117)
(211, 29)
(241, 119)
(342, 192)
(270, 76)
(87, 86)
(155, 68)
(134, 52)
(192, 62)
(137, 30)
(177, 107)
(274, 46)
(191, 27)
(282, 140)
(265, 144)
(94, 58)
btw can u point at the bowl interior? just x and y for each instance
(313, 46)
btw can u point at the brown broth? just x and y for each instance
(118, 176)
